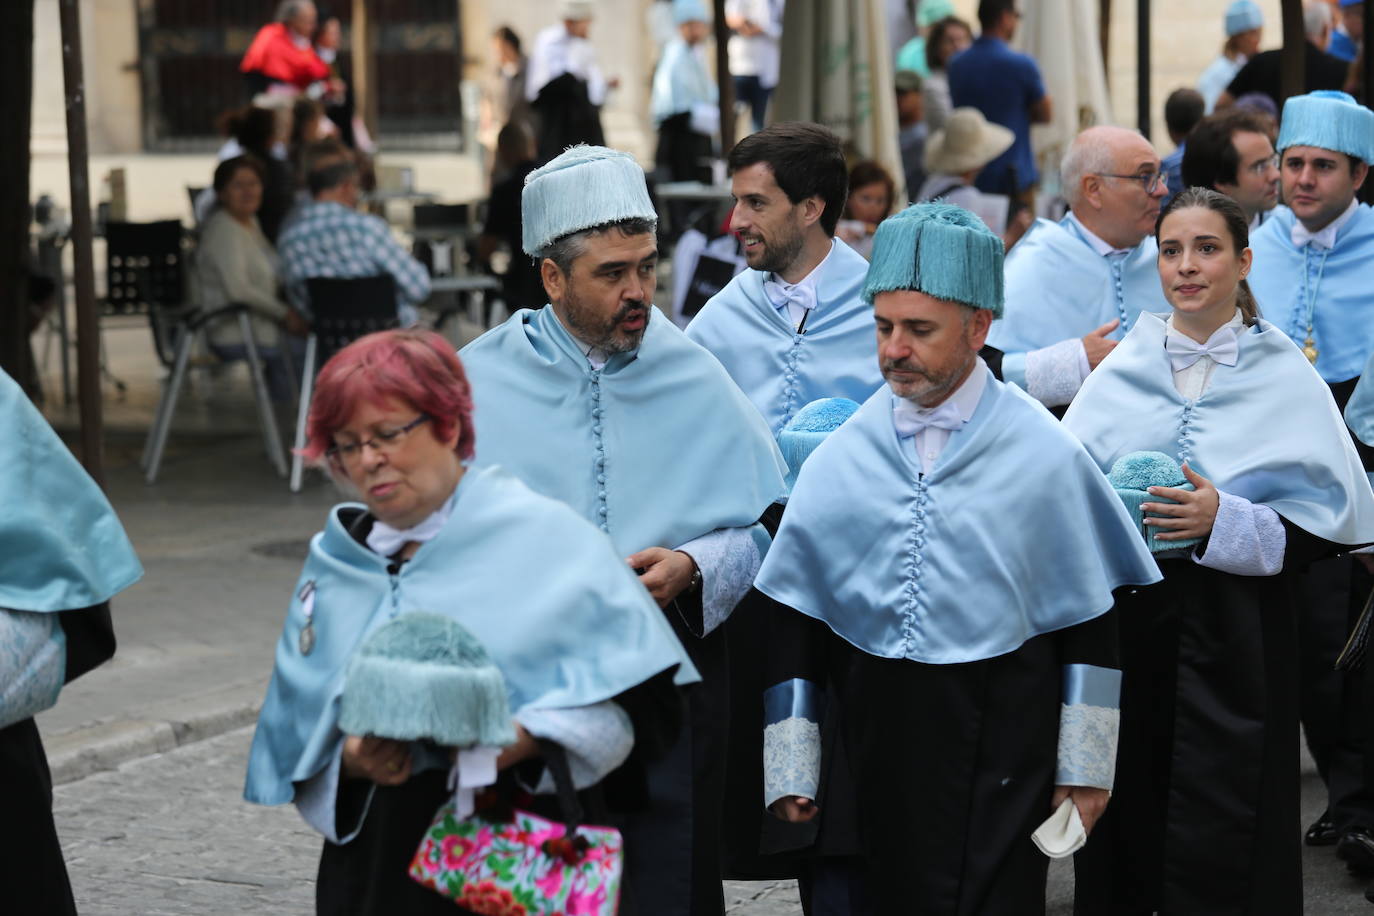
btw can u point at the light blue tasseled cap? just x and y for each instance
(689, 11)
(583, 188)
(1242, 16)
(808, 429)
(1330, 120)
(940, 250)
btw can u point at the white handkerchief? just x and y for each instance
(473, 769)
(1062, 834)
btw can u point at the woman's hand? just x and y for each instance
(1193, 514)
(382, 760)
(795, 809)
(665, 572)
(524, 748)
(1090, 802)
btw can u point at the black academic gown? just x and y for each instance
(33, 876)
(369, 875)
(1204, 815)
(953, 765)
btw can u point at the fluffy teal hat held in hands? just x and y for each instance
(808, 429)
(940, 250)
(1132, 474)
(583, 188)
(424, 676)
(1330, 120)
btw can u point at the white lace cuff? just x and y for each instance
(791, 759)
(597, 739)
(728, 558)
(1054, 373)
(1246, 540)
(1087, 745)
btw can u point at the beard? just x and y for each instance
(779, 253)
(926, 386)
(589, 327)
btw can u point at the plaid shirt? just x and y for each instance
(327, 239)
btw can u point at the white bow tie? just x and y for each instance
(909, 419)
(1221, 347)
(803, 295)
(386, 540)
(1324, 237)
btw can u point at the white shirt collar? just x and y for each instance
(1095, 242)
(1324, 237)
(780, 292)
(1237, 324)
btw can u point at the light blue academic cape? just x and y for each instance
(1266, 429)
(680, 82)
(1059, 288)
(657, 448)
(780, 370)
(562, 616)
(1214, 80)
(1336, 283)
(933, 568)
(61, 544)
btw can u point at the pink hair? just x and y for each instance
(415, 366)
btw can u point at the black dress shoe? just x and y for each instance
(1356, 849)
(1322, 832)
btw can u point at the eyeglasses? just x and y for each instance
(1263, 165)
(383, 440)
(1149, 181)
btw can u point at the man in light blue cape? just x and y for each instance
(682, 101)
(792, 329)
(1073, 288)
(974, 654)
(1311, 279)
(63, 556)
(598, 400)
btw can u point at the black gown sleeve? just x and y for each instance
(90, 638)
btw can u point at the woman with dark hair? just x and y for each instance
(872, 193)
(587, 658)
(1204, 815)
(503, 90)
(947, 38)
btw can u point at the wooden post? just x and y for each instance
(365, 66)
(1142, 67)
(16, 85)
(1104, 33)
(1293, 58)
(1367, 59)
(87, 320)
(723, 79)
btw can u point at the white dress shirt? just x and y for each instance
(930, 442)
(800, 297)
(556, 52)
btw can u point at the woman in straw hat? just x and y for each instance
(955, 155)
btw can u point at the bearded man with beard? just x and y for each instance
(973, 662)
(598, 400)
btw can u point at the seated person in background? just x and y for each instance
(954, 157)
(871, 193)
(235, 264)
(515, 152)
(328, 237)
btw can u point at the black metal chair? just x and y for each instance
(145, 275)
(342, 310)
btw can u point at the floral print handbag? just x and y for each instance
(527, 865)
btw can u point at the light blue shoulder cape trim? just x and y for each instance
(931, 568)
(1266, 429)
(1058, 288)
(61, 544)
(657, 448)
(561, 615)
(780, 370)
(1283, 277)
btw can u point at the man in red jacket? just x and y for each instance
(282, 51)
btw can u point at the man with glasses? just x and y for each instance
(1232, 153)
(598, 400)
(1311, 278)
(1074, 287)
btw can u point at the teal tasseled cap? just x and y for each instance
(1330, 120)
(584, 187)
(808, 429)
(424, 676)
(940, 250)
(689, 11)
(1132, 474)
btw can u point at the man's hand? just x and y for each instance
(1097, 345)
(1089, 802)
(382, 760)
(665, 572)
(795, 809)
(1194, 514)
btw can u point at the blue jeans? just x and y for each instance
(751, 92)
